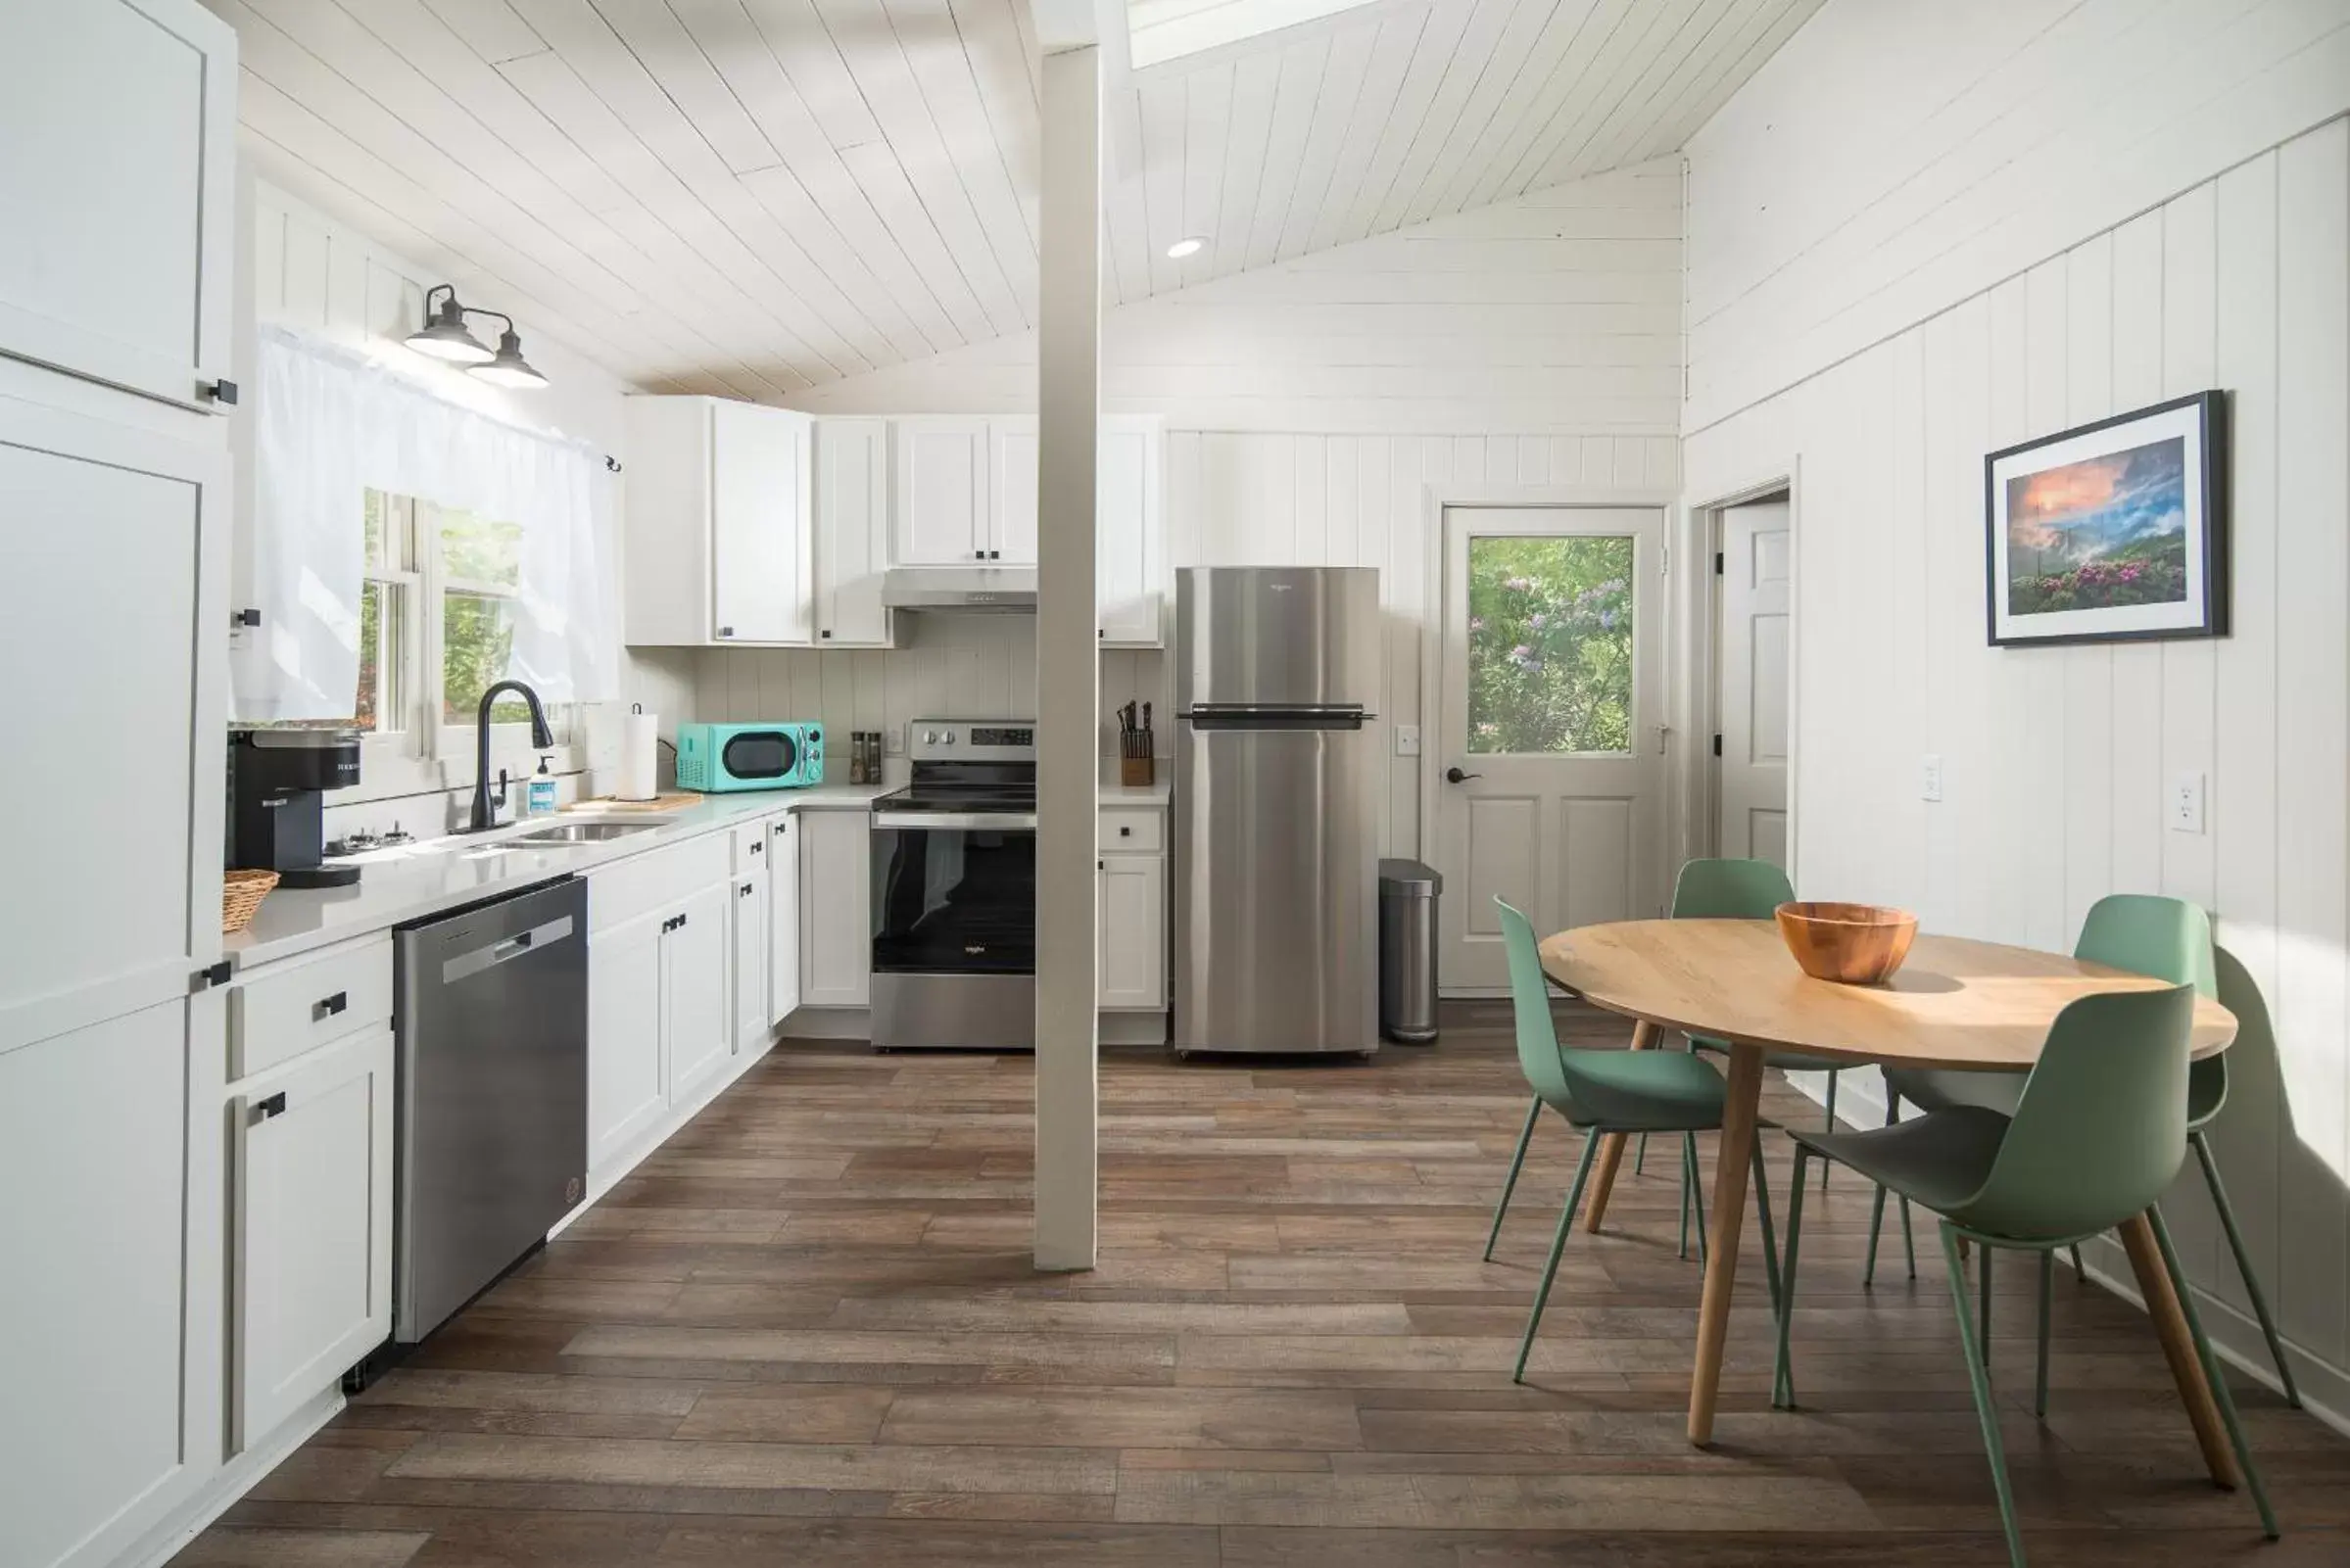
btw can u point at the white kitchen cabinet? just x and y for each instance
(1012, 484)
(1132, 959)
(940, 505)
(835, 908)
(783, 917)
(720, 520)
(627, 1088)
(311, 1201)
(852, 532)
(697, 1013)
(110, 1335)
(749, 962)
(1130, 556)
(118, 251)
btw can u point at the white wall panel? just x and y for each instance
(2057, 760)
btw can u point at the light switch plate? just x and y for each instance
(1930, 777)
(1407, 740)
(2186, 803)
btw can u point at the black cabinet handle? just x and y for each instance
(680, 923)
(275, 1105)
(1126, 833)
(780, 826)
(759, 847)
(726, 631)
(746, 890)
(827, 631)
(327, 1007)
(221, 392)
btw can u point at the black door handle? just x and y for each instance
(1456, 775)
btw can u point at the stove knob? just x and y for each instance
(930, 738)
(950, 737)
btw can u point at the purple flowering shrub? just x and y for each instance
(2148, 572)
(1549, 637)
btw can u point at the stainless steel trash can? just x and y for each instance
(1407, 892)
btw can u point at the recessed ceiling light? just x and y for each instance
(1189, 245)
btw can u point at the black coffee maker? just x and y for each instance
(277, 779)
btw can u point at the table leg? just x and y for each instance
(2179, 1347)
(1612, 1148)
(1739, 1112)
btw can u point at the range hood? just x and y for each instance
(962, 590)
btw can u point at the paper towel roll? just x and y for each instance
(640, 756)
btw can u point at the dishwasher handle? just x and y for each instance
(464, 965)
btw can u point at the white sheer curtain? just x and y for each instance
(330, 425)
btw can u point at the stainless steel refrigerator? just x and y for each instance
(1276, 777)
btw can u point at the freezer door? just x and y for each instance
(1276, 888)
(1277, 635)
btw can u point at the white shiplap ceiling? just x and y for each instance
(749, 197)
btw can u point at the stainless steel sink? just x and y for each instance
(583, 832)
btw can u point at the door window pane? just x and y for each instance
(1550, 645)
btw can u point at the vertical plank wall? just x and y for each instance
(2056, 761)
(1309, 405)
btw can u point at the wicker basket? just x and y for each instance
(241, 895)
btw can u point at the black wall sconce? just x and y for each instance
(444, 337)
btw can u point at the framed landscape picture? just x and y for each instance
(2114, 531)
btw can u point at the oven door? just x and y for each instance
(957, 894)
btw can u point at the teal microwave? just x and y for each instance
(716, 758)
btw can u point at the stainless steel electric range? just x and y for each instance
(954, 946)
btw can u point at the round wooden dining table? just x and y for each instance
(1954, 1003)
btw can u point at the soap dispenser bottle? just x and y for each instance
(542, 791)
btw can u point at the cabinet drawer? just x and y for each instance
(627, 888)
(750, 850)
(1132, 832)
(285, 1010)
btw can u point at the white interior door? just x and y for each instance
(1550, 759)
(1755, 585)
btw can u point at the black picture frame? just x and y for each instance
(2200, 422)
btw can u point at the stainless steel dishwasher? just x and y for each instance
(491, 1145)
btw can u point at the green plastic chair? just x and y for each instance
(2169, 939)
(1601, 1092)
(1743, 889)
(2098, 1133)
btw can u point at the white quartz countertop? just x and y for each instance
(410, 882)
(1155, 794)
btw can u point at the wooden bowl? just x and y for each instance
(1851, 944)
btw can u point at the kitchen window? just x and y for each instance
(436, 629)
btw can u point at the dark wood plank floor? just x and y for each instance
(806, 1332)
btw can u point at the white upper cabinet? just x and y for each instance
(939, 513)
(1013, 536)
(1130, 560)
(719, 518)
(852, 532)
(117, 121)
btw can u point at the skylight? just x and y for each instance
(1167, 29)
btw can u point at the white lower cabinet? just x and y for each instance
(625, 1080)
(1132, 898)
(310, 1273)
(835, 912)
(109, 1313)
(782, 917)
(750, 964)
(698, 1014)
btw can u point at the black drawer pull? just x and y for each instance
(328, 1007)
(680, 923)
(1126, 833)
(757, 844)
(746, 892)
(275, 1105)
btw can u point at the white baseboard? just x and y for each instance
(232, 1481)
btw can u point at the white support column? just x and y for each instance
(1068, 659)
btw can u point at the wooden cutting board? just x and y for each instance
(665, 802)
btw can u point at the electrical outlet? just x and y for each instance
(894, 740)
(1407, 740)
(2186, 803)
(1930, 777)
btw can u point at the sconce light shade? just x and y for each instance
(443, 336)
(509, 368)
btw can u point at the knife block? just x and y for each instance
(1138, 773)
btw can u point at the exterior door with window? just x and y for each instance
(1549, 762)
